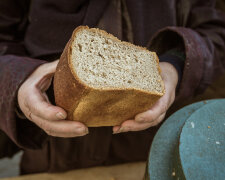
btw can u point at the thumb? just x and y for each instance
(51, 67)
(44, 70)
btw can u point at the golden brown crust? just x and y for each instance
(97, 107)
(67, 89)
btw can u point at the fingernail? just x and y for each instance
(60, 115)
(115, 132)
(86, 131)
(122, 129)
(82, 130)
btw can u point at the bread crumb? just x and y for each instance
(173, 174)
(217, 142)
(209, 126)
(192, 125)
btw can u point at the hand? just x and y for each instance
(156, 114)
(35, 105)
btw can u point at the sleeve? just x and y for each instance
(15, 67)
(200, 32)
(176, 57)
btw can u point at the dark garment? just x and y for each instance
(39, 29)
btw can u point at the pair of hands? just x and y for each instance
(36, 106)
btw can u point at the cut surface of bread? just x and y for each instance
(103, 62)
(102, 81)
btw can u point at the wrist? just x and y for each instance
(176, 58)
(169, 73)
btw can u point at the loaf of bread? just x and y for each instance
(102, 81)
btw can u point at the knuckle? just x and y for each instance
(28, 114)
(33, 109)
(28, 103)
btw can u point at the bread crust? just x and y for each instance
(97, 106)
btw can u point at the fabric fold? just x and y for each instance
(22, 132)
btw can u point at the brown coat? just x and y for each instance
(40, 30)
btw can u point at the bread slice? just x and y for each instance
(102, 81)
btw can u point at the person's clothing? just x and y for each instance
(35, 32)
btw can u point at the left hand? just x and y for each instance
(156, 114)
(34, 103)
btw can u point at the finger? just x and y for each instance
(158, 120)
(39, 106)
(159, 108)
(61, 128)
(50, 68)
(44, 83)
(131, 125)
(46, 69)
(65, 128)
(116, 128)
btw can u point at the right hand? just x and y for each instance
(35, 105)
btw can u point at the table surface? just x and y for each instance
(128, 171)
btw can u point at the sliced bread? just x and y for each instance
(102, 81)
